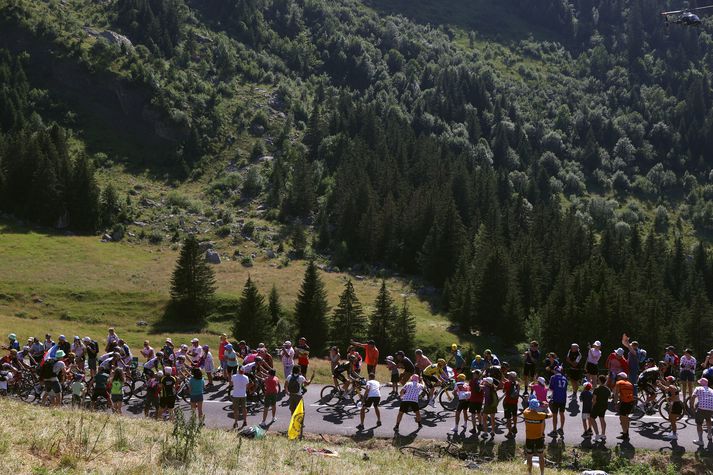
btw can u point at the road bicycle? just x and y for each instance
(334, 396)
(451, 449)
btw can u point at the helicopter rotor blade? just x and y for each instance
(707, 7)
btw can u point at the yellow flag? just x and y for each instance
(295, 430)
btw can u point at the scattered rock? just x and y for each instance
(205, 245)
(140, 224)
(106, 238)
(212, 256)
(359, 277)
(257, 130)
(147, 203)
(266, 159)
(270, 254)
(36, 299)
(117, 235)
(201, 38)
(142, 323)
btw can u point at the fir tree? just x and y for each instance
(348, 321)
(84, 202)
(311, 309)
(403, 330)
(192, 284)
(252, 317)
(381, 320)
(110, 207)
(273, 306)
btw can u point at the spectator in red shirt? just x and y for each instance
(272, 388)
(302, 353)
(511, 399)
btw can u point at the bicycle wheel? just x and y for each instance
(127, 391)
(423, 399)
(664, 408)
(416, 451)
(329, 395)
(448, 399)
(689, 409)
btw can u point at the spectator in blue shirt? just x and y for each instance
(558, 386)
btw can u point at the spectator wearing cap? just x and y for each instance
(703, 394)
(539, 389)
(593, 356)
(633, 359)
(302, 353)
(672, 360)
(371, 355)
(624, 393)
(616, 363)
(195, 352)
(64, 345)
(287, 355)
(231, 363)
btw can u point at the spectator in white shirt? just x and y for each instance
(704, 395)
(239, 395)
(373, 399)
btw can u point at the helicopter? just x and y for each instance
(685, 17)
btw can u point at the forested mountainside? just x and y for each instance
(550, 173)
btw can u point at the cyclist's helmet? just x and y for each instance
(181, 357)
(670, 379)
(441, 362)
(159, 353)
(12, 337)
(352, 357)
(258, 359)
(461, 377)
(7, 366)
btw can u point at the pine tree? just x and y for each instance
(274, 308)
(110, 207)
(252, 317)
(311, 310)
(192, 284)
(84, 198)
(381, 320)
(403, 330)
(348, 321)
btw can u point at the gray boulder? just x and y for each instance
(212, 257)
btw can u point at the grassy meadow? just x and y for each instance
(77, 285)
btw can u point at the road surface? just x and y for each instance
(646, 433)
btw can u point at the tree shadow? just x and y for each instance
(179, 317)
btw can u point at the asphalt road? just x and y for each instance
(646, 433)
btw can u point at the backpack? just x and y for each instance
(93, 349)
(46, 370)
(293, 385)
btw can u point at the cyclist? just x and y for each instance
(335, 360)
(490, 359)
(373, 399)
(422, 362)
(531, 357)
(648, 382)
(168, 353)
(409, 401)
(435, 375)
(153, 364)
(675, 405)
(511, 399)
(462, 390)
(5, 377)
(181, 368)
(342, 381)
(624, 393)
(409, 369)
(574, 362)
(687, 373)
